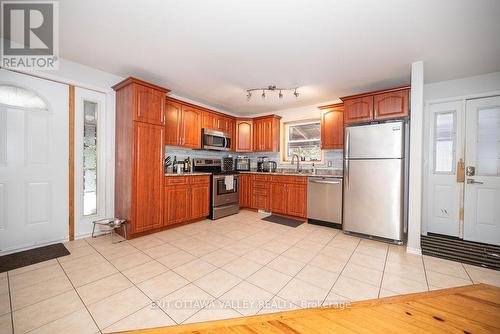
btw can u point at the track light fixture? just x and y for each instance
(271, 88)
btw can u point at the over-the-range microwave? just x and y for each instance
(215, 140)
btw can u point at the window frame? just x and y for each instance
(284, 149)
(83, 226)
(454, 147)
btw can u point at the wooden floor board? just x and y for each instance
(471, 309)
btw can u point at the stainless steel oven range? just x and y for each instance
(224, 194)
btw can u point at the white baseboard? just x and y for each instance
(411, 250)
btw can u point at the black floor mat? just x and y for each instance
(283, 220)
(475, 253)
(32, 256)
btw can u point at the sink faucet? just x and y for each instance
(298, 162)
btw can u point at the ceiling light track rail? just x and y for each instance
(272, 88)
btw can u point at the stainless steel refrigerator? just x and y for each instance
(375, 180)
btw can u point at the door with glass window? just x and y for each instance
(444, 192)
(482, 179)
(34, 172)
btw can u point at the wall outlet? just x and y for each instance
(330, 163)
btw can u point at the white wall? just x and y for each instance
(297, 114)
(462, 88)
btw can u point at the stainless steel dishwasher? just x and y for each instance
(324, 201)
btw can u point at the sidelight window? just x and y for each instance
(89, 158)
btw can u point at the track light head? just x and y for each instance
(296, 93)
(280, 95)
(263, 94)
(249, 96)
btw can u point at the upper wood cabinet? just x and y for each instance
(379, 105)
(391, 105)
(266, 134)
(182, 124)
(146, 100)
(150, 106)
(358, 109)
(191, 127)
(244, 135)
(215, 121)
(139, 151)
(332, 126)
(173, 121)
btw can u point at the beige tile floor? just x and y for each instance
(210, 270)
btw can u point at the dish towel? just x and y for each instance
(228, 181)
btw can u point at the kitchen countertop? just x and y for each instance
(190, 174)
(335, 174)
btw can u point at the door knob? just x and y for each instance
(472, 181)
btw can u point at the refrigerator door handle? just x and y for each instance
(346, 173)
(347, 142)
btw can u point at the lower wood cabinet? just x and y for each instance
(289, 195)
(245, 190)
(177, 199)
(200, 200)
(296, 200)
(280, 194)
(187, 198)
(278, 198)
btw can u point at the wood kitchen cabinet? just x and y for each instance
(358, 110)
(296, 200)
(289, 195)
(177, 200)
(374, 106)
(187, 199)
(266, 134)
(393, 104)
(332, 126)
(261, 192)
(278, 198)
(182, 124)
(245, 190)
(244, 135)
(218, 122)
(139, 146)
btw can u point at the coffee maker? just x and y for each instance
(261, 161)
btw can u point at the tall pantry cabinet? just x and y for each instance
(139, 151)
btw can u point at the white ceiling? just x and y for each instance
(211, 51)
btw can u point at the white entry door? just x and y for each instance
(482, 161)
(445, 150)
(33, 161)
